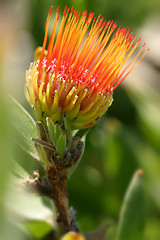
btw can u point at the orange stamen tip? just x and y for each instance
(85, 13)
(128, 31)
(94, 20)
(119, 28)
(101, 20)
(50, 10)
(97, 24)
(57, 9)
(114, 26)
(91, 15)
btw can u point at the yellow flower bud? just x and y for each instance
(73, 236)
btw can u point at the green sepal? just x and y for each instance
(43, 143)
(43, 140)
(51, 130)
(41, 131)
(58, 131)
(132, 215)
(42, 154)
(68, 131)
(61, 144)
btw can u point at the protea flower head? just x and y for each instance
(81, 68)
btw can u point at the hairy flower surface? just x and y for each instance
(81, 68)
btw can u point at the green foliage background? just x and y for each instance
(125, 139)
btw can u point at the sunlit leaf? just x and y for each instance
(11, 229)
(25, 162)
(38, 229)
(24, 127)
(17, 169)
(29, 206)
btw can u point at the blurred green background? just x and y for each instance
(125, 139)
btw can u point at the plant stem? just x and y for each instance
(60, 197)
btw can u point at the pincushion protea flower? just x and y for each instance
(81, 68)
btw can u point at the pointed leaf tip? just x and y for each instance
(132, 215)
(139, 172)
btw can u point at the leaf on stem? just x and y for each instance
(58, 131)
(38, 229)
(68, 130)
(61, 144)
(51, 130)
(25, 128)
(132, 215)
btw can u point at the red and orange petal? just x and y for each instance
(80, 69)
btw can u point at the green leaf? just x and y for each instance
(132, 215)
(41, 153)
(28, 206)
(25, 128)
(25, 161)
(17, 169)
(51, 130)
(38, 229)
(68, 131)
(43, 143)
(61, 145)
(58, 131)
(11, 229)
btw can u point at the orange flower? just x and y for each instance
(81, 68)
